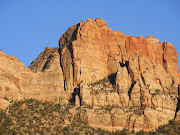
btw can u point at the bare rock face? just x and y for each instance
(120, 81)
(143, 72)
(3, 104)
(90, 51)
(18, 82)
(116, 119)
(45, 60)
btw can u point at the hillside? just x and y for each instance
(34, 117)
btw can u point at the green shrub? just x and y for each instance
(141, 132)
(157, 91)
(133, 132)
(7, 122)
(139, 111)
(172, 122)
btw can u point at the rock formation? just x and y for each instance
(18, 82)
(136, 79)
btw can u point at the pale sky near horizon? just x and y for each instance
(27, 27)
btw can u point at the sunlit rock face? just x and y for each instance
(18, 82)
(135, 78)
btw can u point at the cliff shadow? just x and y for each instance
(126, 64)
(178, 106)
(178, 103)
(130, 89)
(112, 79)
(73, 96)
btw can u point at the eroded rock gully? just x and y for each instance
(119, 81)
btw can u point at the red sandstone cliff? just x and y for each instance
(95, 66)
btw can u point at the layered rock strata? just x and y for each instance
(135, 78)
(18, 82)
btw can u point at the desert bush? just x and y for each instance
(124, 131)
(133, 132)
(139, 111)
(157, 91)
(105, 82)
(141, 132)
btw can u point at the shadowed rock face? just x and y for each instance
(95, 66)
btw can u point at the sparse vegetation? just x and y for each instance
(173, 128)
(102, 85)
(139, 111)
(108, 108)
(30, 117)
(157, 92)
(34, 117)
(105, 82)
(90, 107)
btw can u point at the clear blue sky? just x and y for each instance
(28, 26)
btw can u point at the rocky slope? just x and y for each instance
(136, 79)
(34, 117)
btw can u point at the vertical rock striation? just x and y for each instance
(135, 79)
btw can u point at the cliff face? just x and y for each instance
(135, 79)
(18, 82)
(94, 51)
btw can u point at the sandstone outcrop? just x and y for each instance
(117, 119)
(3, 104)
(135, 79)
(18, 82)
